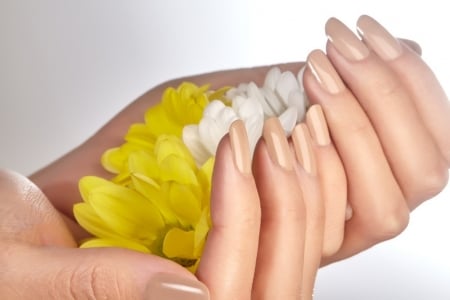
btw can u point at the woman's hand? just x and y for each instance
(265, 242)
(389, 121)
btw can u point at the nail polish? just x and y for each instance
(317, 125)
(165, 286)
(345, 41)
(304, 153)
(277, 144)
(324, 72)
(378, 38)
(240, 147)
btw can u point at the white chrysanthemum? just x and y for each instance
(282, 96)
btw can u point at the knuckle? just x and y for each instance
(93, 282)
(429, 184)
(390, 225)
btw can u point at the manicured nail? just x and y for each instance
(345, 41)
(164, 286)
(240, 147)
(317, 125)
(324, 73)
(303, 148)
(378, 38)
(277, 144)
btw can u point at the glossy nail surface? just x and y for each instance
(303, 148)
(345, 41)
(240, 147)
(277, 144)
(324, 73)
(171, 287)
(378, 38)
(317, 125)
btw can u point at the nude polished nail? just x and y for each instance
(345, 41)
(378, 38)
(301, 139)
(317, 125)
(240, 147)
(324, 73)
(277, 144)
(164, 286)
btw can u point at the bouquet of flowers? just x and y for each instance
(158, 201)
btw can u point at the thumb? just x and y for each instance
(38, 259)
(104, 273)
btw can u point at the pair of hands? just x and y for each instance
(382, 148)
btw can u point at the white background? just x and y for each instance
(66, 67)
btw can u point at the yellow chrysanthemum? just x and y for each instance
(178, 108)
(163, 210)
(158, 202)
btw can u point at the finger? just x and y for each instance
(228, 261)
(333, 182)
(314, 206)
(416, 161)
(279, 266)
(413, 45)
(379, 208)
(427, 94)
(36, 253)
(27, 216)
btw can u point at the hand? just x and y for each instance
(266, 240)
(389, 121)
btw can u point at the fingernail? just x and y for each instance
(378, 38)
(303, 148)
(277, 144)
(165, 286)
(324, 73)
(317, 125)
(348, 212)
(345, 41)
(240, 147)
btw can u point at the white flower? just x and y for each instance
(282, 95)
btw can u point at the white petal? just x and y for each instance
(254, 128)
(285, 85)
(247, 108)
(213, 109)
(191, 139)
(212, 128)
(297, 99)
(275, 103)
(255, 92)
(288, 119)
(272, 78)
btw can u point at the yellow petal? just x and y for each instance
(185, 204)
(201, 232)
(176, 169)
(140, 134)
(89, 220)
(88, 183)
(127, 212)
(156, 195)
(159, 122)
(169, 145)
(179, 243)
(116, 243)
(144, 163)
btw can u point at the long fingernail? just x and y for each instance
(303, 148)
(277, 144)
(317, 125)
(240, 147)
(345, 41)
(164, 286)
(324, 73)
(378, 38)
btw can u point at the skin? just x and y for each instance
(362, 164)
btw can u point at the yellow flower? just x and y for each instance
(163, 209)
(178, 108)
